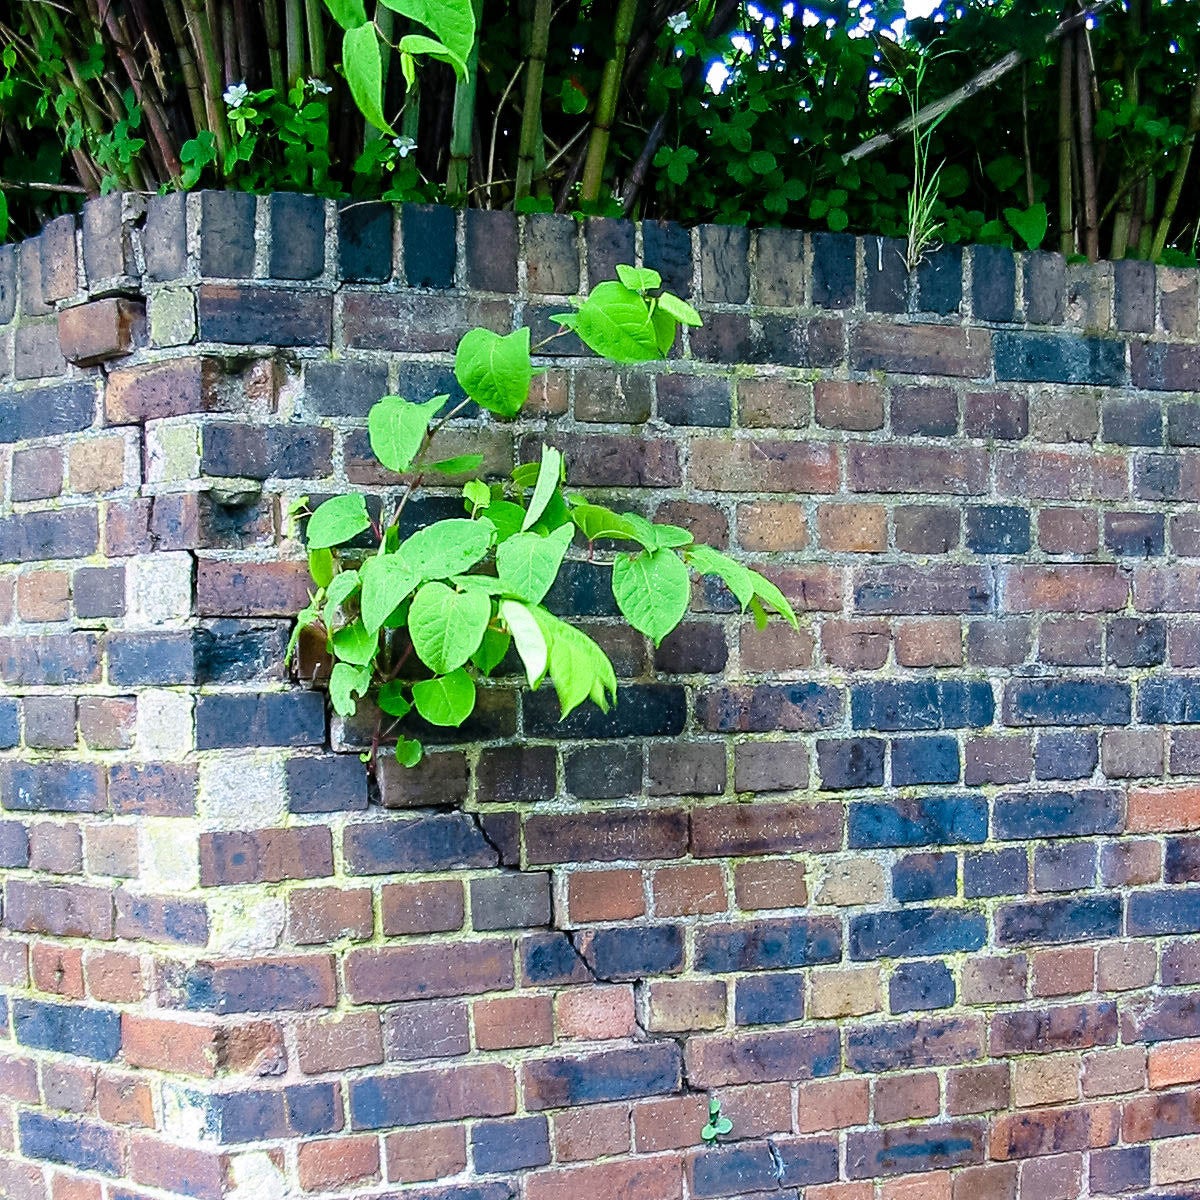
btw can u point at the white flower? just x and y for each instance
(235, 93)
(319, 87)
(679, 22)
(404, 146)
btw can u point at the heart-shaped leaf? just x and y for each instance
(397, 428)
(336, 521)
(495, 371)
(446, 700)
(447, 626)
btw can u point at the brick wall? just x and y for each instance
(912, 891)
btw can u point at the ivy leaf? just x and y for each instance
(356, 644)
(386, 580)
(345, 683)
(447, 626)
(447, 548)
(681, 310)
(409, 752)
(530, 640)
(652, 591)
(452, 22)
(459, 465)
(614, 321)
(363, 63)
(338, 520)
(1030, 223)
(349, 14)
(549, 474)
(495, 371)
(392, 700)
(397, 428)
(638, 279)
(491, 651)
(446, 700)
(527, 563)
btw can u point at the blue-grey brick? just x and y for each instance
(996, 873)
(365, 242)
(1067, 702)
(513, 1145)
(47, 411)
(1053, 922)
(850, 762)
(1169, 700)
(925, 760)
(921, 704)
(920, 987)
(833, 257)
(1064, 866)
(939, 281)
(93, 1033)
(916, 932)
(150, 659)
(1131, 422)
(297, 236)
(1023, 815)
(427, 234)
(998, 529)
(925, 877)
(1159, 911)
(1061, 755)
(1058, 358)
(227, 234)
(228, 719)
(927, 821)
(84, 1145)
(774, 998)
(994, 283)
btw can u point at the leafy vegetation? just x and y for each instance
(415, 622)
(1074, 134)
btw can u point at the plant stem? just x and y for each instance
(1087, 151)
(316, 37)
(1066, 141)
(462, 130)
(187, 63)
(606, 104)
(293, 33)
(274, 53)
(1177, 179)
(531, 133)
(210, 73)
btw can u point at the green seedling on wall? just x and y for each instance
(417, 622)
(718, 1126)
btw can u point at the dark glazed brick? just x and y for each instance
(227, 235)
(925, 877)
(924, 760)
(1136, 642)
(833, 269)
(98, 592)
(365, 242)
(1132, 422)
(641, 710)
(1153, 913)
(8, 283)
(604, 772)
(1183, 424)
(692, 648)
(150, 659)
(164, 236)
(694, 400)
(1065, 755)
(771, 999)
(887, 275)
(1133, 304)
(850, 762)
(328, 783)
(84, 1145)
(511, 901)
(1053, 922)
(258, 452)
(998, 529)
(491, 250)
(734, 1170)
(939, 281)
(609, 242)
(267, 316)
(427, 235)
(634, 952)
(259, 719)
(928, 821)
(514, 1145)
(920, 987)
(1066, 702)
(34, 536)
(1058, 358)
(995, 873)
(550, 960)
(921, 704)
(551, 254)
(768, 945)
(14, 843)
(1045, 288)
(994, 283)
(235, 651)
(1022, 815)
(437, 843)
(724, 263)
(667, 249)
(47, 411)
(916, 932)
(1135, 535)
(297, 236)
(510, 773)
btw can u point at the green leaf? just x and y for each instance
(495, 371)
(356, 644)
(447, 548)
(681, 310)
(459, 465)
(307, 616)
(614, 321)
(638, 279)
(446, 700)
(387, 579)
(452, 22)
(349, 14)
(527, 563)
(320, 567)
(652, 591)
(549, 474)
(345, 683)
(418, 43)
(666, 328)
(491, 651)
(409, 752)
(447, 626)
(765, 590)
(573, 98)
(529, 638)
(668, 537)
(397, 429)
(3, 216)
(579, 669)
(595, 521)
(392, 700)
(1030, 223)
(363, 63)
(737, 578)
(336, 521)
(507, 517)
(344, 585)
(724, 1125)
(1005, 171)
(477, 494)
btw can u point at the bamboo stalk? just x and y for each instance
(1066, 139)
(606, 103)
(1146, 233)
(462, 129)
(293, 33)
(233, 68)
(247, 48)
(1087, 154)
(1161, 232)
(531, 132)
(187, 63)
(316, 37)
(274, 51)
(205, 46)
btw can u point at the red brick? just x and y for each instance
(855, 645)
(652, 1178)
(668, 1122)
(378, 976)
(1064, 972)
(760, 1109)
(113, 976)
(606, 836)
(125, 1100)
(320, 915)
(331, 1163)
(605, 895)
(513, 1022)
(1068, 530)
(771, 525)
(770, 883)
(932, 1185)
(420, 1155)
(921, 349)
(432, 907)
(1163, 810)
(1173, 1063)
(979, 1089)
(917, 469)
(101, 329)
(684, 891)
(596, 1013)
(160, 1164)
(250, 589)
(995, 1181)
(339, 1043)
(775, 648)
(19, 1079)
(766, 828)
(848, 404)
(1051, 1130)
(57, 969)
(169, 1045)
(169, 389)
(1069, 588)
(903, 1097)
(597, 1131)
(265, 855)
(253, 1048)
(763, 465)
(852, 528)
(832, 1104)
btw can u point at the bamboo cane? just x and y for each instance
(531, 132)
(606, 104)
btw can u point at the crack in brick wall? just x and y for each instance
(911, 890)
